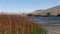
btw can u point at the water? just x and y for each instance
(47, 19)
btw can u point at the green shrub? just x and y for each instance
(58, 15)
(39, 30)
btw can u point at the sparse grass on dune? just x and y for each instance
(17, 24)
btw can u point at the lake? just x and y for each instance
(47, 19)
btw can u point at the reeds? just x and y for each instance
(16, 24)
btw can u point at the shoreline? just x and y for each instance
(52, 28)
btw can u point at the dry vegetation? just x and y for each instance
(16, 24)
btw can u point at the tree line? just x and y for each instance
(48, 14)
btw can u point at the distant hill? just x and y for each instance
(54, 11)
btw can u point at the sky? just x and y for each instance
(20, 6)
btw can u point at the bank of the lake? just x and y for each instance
(51, 24)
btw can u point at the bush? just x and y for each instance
(29, 14)
(48, 14)
(58, 15)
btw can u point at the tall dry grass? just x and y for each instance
(16, 24)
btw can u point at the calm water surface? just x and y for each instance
(47, 19)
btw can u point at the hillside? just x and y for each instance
(54, 11)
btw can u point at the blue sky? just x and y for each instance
(20, 6)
